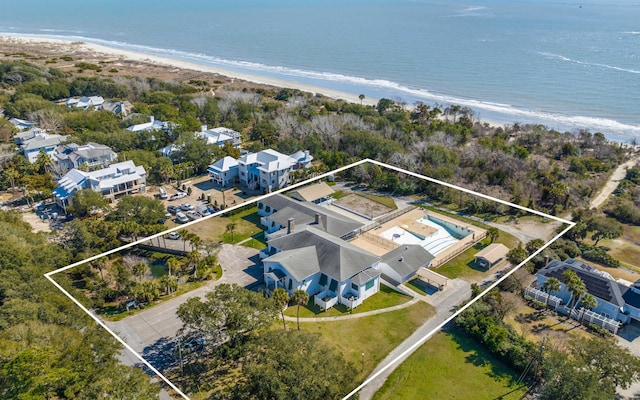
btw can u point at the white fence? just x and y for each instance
(583, 315)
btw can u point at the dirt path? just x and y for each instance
(613, 182)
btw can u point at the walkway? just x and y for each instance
(613, 182)
(357, 315)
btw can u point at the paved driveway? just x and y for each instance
(151, 332)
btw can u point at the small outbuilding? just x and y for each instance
(491, 255)
(316, 192)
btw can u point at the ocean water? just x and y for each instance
(568, 64)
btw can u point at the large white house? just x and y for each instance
(268, 170)
(224, 172)
(114, 181)
(328, 268)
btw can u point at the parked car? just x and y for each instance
(174, 236)
(193, 215)
(203, 210)
(181, 218)
(178, 196)
(163, 194)
(186, 207)
(173, 209)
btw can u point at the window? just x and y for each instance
(260, 206)
(323, 279)
(370, 284)
(333, 285)
(267, 209)
(290, 283)
(354, 287)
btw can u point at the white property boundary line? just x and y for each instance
(49, 275)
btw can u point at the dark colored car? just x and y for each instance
(172, 209)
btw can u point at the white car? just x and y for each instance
(174, 236)
(178, 196)
(187, 207)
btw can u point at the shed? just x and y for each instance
(491, 255)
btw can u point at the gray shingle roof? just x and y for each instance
(335, 257)
(407, 259)
(304, 213)
(301, 263)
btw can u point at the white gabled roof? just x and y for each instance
(223, 165)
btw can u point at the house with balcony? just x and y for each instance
(615, 300)
(224, 172)
(31, 146)
(92, 155)
(268, 170)
(331, 270)
(114, 181)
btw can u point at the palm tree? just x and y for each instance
(173, 264)
(100, 264)
(231, 226)
(281, 297)
(575, 285)
(493, 233)
(300, 298)
(587, 302)
(551, 285)
(361, 97)
(139, 269)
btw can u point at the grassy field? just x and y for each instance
(626, 248)
(375, 335)
(451, 366)
(535, 326)
(386, 297)
(464, 266)
(247, 224)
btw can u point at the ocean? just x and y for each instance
(566, 64)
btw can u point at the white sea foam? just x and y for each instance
(613, 67)
(507, 111)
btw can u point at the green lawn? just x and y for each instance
(384, 200)
(375, 335)
(451, 366)
(247, 224)
(386, 297)
(463, 265)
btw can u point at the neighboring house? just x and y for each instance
(402, 263)
(316, 192)
(152, 125)
(42, 141)
(329, 269)
(92, 155)
(615, 300)
(220, 136)
(85, 102)
(22, 124)
(21, 137)
(491, 255)
(277, 210)
(224, 172)
(269, 170)
(116, 180)
(120, 108)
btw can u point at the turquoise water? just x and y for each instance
(567, 64)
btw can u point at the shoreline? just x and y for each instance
(107, 51)
(167, 63)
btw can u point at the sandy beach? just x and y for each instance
(41, 49)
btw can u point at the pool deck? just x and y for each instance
(409, 222)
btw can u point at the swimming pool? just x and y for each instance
(446, 234)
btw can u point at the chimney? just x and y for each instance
(152, 118)
(291, 226)
(203, 128)
(546, 260)
(401, 259)
(306, 155)
(317, 218)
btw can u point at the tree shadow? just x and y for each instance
(477, 355)
(162, 354)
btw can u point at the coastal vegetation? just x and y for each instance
(530, 165)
